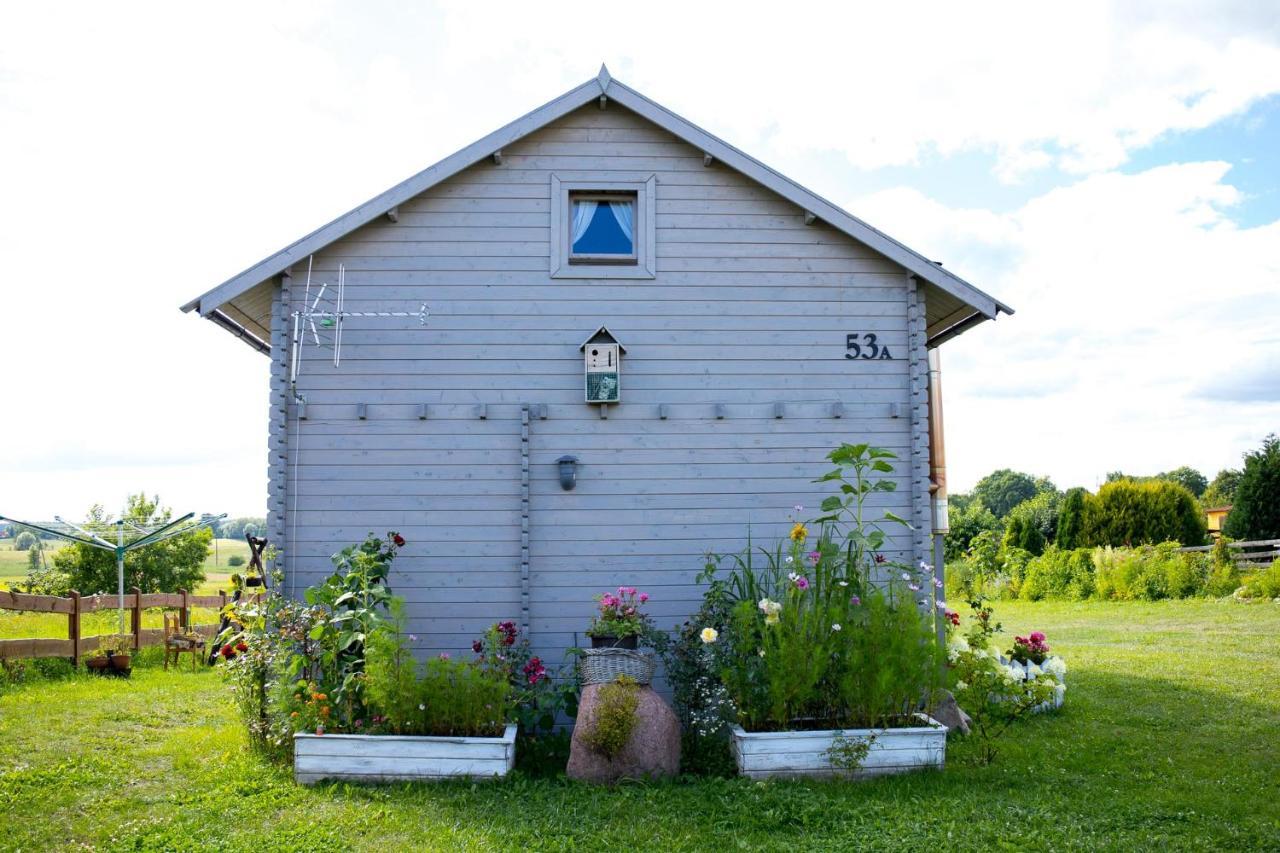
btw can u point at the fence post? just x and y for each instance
(73, 627)
(135, 618)
(185, 613)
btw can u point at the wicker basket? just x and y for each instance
(601, 666)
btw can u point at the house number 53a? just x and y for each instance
(863, 345)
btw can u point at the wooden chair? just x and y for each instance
(177, 641)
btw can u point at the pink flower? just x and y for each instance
(1037, 637)
(914, 587)
(855, 601)
(644, 596)
(802, 582)
(814, 556)
(444, 656)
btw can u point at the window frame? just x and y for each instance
(633, 257)
(564, 264)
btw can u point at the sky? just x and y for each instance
(1112, 171)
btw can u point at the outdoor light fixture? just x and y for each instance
(568, 472)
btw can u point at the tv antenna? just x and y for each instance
(323, 317)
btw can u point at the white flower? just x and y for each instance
(955, 647)
(790, 559)
(422, 707)
(906, 577)
(835, 627)
(1056, 667)
(960, 685)
(709, 635)
(761, 653)
(843, 583)
(1010, 675)
(942, 605)
(793, 577)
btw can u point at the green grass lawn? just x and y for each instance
(1170, 739)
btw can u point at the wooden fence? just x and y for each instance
(76, 605)
(1248, 555)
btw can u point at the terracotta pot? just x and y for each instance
(630, 642)
(121, 662)
(97, 663)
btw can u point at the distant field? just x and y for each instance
(13, 568)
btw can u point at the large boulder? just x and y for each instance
(652, 751)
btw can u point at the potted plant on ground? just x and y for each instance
(618, 624)
(826, 650)
(113, 654)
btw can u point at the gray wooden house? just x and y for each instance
(640, 340)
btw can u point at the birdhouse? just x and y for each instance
(602, 367)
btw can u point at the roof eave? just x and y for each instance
(601, 86)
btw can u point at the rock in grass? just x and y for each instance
(651, 751)
(950, 714)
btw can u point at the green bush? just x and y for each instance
(1059, 574)
(25, 540)
(969, 519)
(1128, 513)
(1149, 573)
(1264, 583)
(235, 560)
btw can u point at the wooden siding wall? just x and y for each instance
(749, 308)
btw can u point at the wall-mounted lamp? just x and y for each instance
(568, 472)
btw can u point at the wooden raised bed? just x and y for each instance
(396, 758)
(762, 755)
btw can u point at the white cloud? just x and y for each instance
(1144, 325)
(149, 151)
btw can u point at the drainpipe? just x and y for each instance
(937, 446)
(938, 475)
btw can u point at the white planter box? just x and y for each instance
(394, 758)
(804, 754)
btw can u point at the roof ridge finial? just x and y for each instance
(604, 78)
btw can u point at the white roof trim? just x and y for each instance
(602, 85)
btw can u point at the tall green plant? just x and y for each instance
(1255, 513)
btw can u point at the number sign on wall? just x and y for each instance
(863, 345)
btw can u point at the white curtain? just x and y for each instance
(622, 212)
(583, 211)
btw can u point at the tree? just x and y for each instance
(1000, 491)
(1070, 532)
(25, 540)
(1036, 521)
(1188, 477)
(167, 566)
(966, 522)
(1222, 491)
(1255, 511)
(1130, 512)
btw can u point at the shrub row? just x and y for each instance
(1145, 573)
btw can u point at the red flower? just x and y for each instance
(228, 652)
(398, 539)
(241, 647)
(477, 647)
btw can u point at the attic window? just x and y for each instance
(602, 228)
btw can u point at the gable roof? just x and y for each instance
(967, 305)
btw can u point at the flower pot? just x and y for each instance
(629, 642)
(760, 755)
(97, 663)
(394, 758)
(120, 663)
